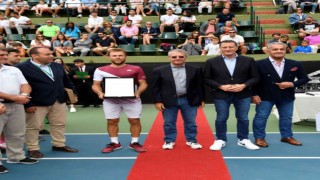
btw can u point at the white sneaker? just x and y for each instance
(194, 145)
(168, 145)
(79, 16)
(248, 144)
(73, 109)
(181, 31)
(218, 145)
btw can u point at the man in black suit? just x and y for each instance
(47, 80)
(175, 87)
(231, 77)
(277, 85)
(83, 83)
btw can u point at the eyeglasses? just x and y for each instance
(149, 24)
(175, 57)
(39, 36)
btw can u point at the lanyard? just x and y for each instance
(48, 73)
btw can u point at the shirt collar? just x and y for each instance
(3, 67)
(39, 65)
(173, 66)
(225, 58)
(273, 61)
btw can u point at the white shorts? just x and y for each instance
(113, 111)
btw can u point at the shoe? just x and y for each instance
(79, 16)
(23, 37)
(194, 145)
(111, 147)
(218, 145)
(35, 154)
(311, 12)
(261, 142)
(73, 109)
(248, 144)
(65, 149)
(84, 106)
(149, 13)
(137, 147)
(3, 151)
(3, 145)
(291, 141)
(3, 169)
(96, 106)
(23, 161)
(44, 131)
(181, 31)
(168, 145)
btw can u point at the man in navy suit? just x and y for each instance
(178, 86)
(277, 88)
(231, 78)
(47, 80)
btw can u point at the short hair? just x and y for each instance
(78, 60)
(128, 20)
(14, 13)
(94, 12)
(10, 50)
(307, 41)
(177, 50)
(110, 50)
(277, 43)
(284, 36)
(229, 41)
(35, 50)
(4, 49)
(276, 34)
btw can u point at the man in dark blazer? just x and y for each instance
(277, 87)
(83, 84)
(178, 86)
(231, 78)
(47, 80)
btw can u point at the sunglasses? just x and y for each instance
(175, 57)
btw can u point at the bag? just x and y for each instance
(280, 11)
(253, 47)
(166, 47)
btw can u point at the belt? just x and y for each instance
(182, 95)
(7, 101)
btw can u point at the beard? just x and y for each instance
(118, 63)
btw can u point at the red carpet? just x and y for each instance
(181, 163)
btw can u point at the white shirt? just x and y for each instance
(95, 21)
(135, 19)
(45, 42)
(22, 20)
(185, 18)
(169, 19)
(4, 23)
(238, 39)
(212, 49)
(276, 66)
(11, 80)
(72, 3)
(3, 4)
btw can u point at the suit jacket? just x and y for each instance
(216, 74)
(266, 88)
(80, 82)
(163, 87)
(45, 91)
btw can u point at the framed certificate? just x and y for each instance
(118, 87)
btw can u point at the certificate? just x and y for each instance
(119, 87)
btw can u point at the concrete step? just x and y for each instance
(260, 4)
(281, 31)
(272, 21)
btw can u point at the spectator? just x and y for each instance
(304, 48)
(228, 26)
(276, 37)
(6, 6)
(90, 5)
(210, 27)
(104, 7)
(174, 5)
(225, 3)
(297, 18)
(120, 5)
(191, 47)
(242, 49)
(303, 3)
(138, 6)
(154, 6)
(292, 5)
(213, 48)
(285, 40)
(115, 19)
(20, 6)
(40, 8)
(62, 46)
(3, 41)
(109, 30)
(205, 4)
(94, 23)
(187, 21)
(19, 47)
(148, 33)
(314, 40)
(205, 40)
(18, 22)
(4, 24)
(71, 31)
(83, 45)
(40, 41)
(307, 26)
(129, 32)
(196, 35)
(49, 30)
(75, 7)
(55, 6)
(104, 43)
(226, 15)
(169, 19)
(135, 18)
(11, 43)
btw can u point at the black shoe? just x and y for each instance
(3, 169)
(96, 106)
(84, 106)
(3, 151)
(44, 131)
(23, 161)
(65, 149)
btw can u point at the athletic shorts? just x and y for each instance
(113, 111)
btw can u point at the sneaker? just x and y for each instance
(137, 147)
(194, 145)
(311, 12)
(3, 169)
(73, 109)
(3, 145)
(23, 161)
(218, 145)
(168, 145)
(44, 132)
(248, 144)
(79, 16)
(181, 31)
(111, 147)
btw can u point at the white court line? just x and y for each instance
(302, 157)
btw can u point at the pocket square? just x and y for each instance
(294, 69)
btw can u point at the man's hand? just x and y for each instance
(75, 76)
(31, 109)
(202, 104)
(2, 108)
(21, 99)
(225, 87)
(285, 85)
(101, 95)
(237, 87)
(256, 99)
(159, 106)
